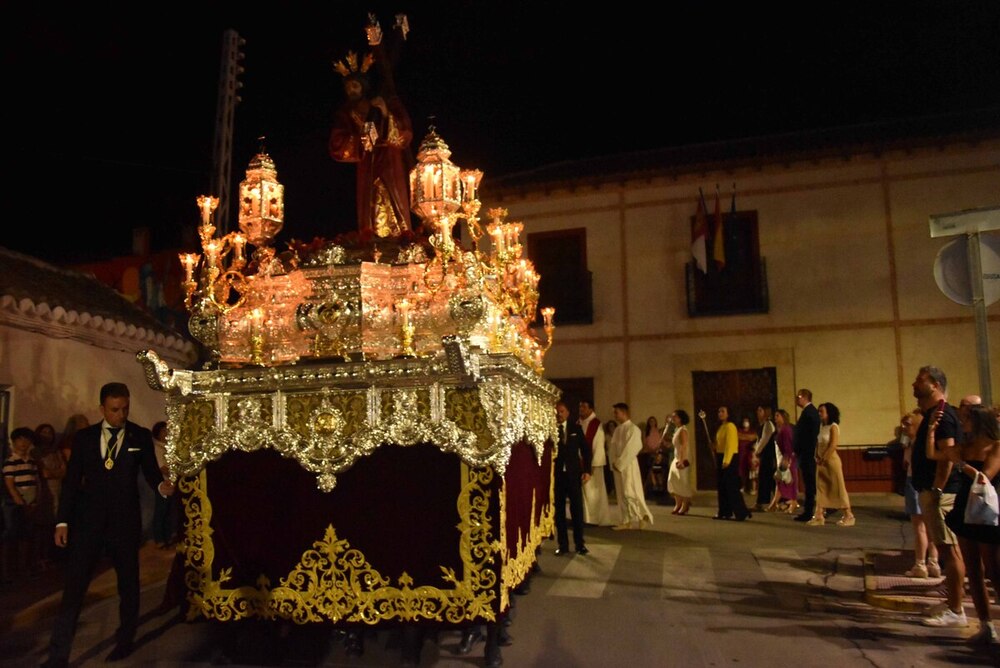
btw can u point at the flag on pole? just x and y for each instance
(718, 238)
(699, 234)
(732, 207)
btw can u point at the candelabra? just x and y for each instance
(243, 310)
(443, 195)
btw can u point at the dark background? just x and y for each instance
(110, 111)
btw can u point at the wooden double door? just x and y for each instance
(741, 391)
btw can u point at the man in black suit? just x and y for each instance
(804, 444)
(99, 513)
(572, 469)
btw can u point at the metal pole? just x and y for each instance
(979, 307)
(230, 70)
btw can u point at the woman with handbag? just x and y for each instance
(786, 475)
(679, 478)
(978, 460)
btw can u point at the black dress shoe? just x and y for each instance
(121, 651)
(720, 517)
(494, 660)
(504, 639)
(802, 518)
(469, 638)
(743, 518)
(560, 551)
(582, 550)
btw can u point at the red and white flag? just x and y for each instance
(719, 236)
(699, 235)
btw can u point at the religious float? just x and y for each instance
(370, 441)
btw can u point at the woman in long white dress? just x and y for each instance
(679, 478)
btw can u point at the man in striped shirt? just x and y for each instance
(20, 476)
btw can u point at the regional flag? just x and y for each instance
(718, 237)
(699, 234)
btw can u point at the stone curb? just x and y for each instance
(877, 596)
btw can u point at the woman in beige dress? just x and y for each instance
(831, 492)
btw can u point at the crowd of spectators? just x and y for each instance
(34, 465)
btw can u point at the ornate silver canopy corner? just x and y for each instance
(460, 361)
(517, 414)
(159, 375)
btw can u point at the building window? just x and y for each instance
(573, 391)
(560, 257)
(739, 285)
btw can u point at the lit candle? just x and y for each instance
(497, 235)
(207, 204)
(239, 241)
(403, 307)
(547, 314)
(513, 234)
(188, 261)
(253, 203)
(428, 182)
(212, 253)
(472, 177)
(257, 319)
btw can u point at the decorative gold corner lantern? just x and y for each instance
(436, 189)
(262, 201)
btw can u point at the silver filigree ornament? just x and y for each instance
(333, 254)
(213, 412)
(467, 309)
(408, 425)
(250, 432)
(204, 323)
(324, 447)
(413, 254)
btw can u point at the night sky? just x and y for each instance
(111, 113)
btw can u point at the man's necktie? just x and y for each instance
(109, 459)
(562, 441)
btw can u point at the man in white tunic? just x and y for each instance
(626, 443)
(595, 495)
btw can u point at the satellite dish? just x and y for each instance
(951, 269)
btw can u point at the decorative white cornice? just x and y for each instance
(102, 332)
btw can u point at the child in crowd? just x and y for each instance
(21, 482)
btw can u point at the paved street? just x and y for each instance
(689, 592)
